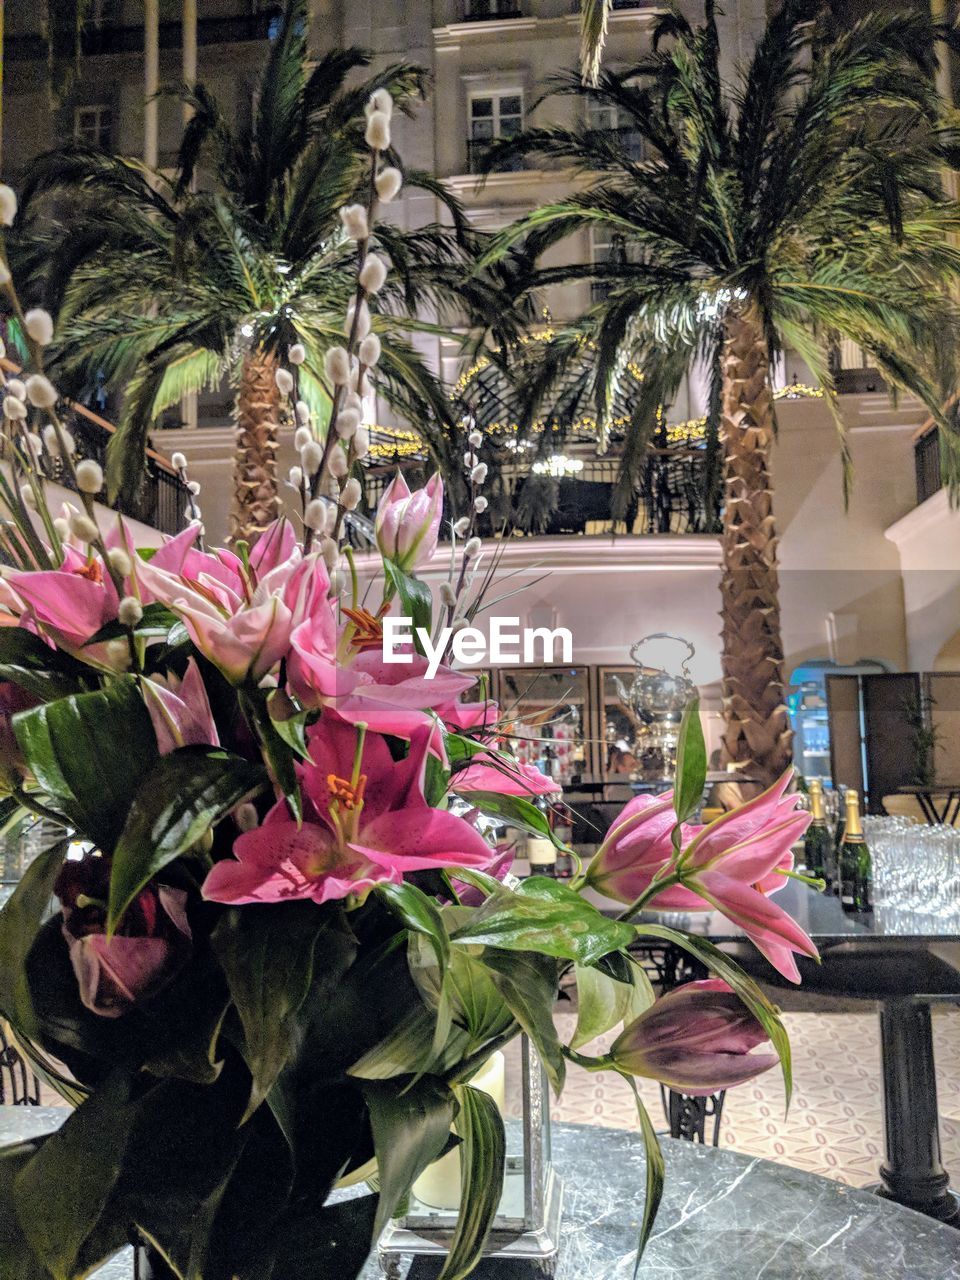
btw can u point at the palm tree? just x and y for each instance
(798, 205)
(163, 289)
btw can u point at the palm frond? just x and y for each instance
(594, 19)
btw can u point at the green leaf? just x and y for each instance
(157, 621)
(44, 673)
(482, 1164)
(546, 916)
(411, 1127)
(63, 1190)
(72, 749)
(279, 754)
(514, 811)
(416, 600)
(528, 984)
(603, 1003)
(461, 750)
(331, 1243)
(270, 955)
(17, 1260)
(418, 913)
(183, 795)
(752, 996)
(654, 1187)
(292, 729)
(20, 919)
(691, 766)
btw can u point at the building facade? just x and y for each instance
(878, 582)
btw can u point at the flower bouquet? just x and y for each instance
(273, 942)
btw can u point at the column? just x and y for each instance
(151, 82)
(189, 51)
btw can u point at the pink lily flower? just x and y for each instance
(462, 716)
(732, 865)
(394, 698)
(365, 822)
(180, 711)
(151, 945)
(312, 670)
(407, 524)
(71, 603)
(695, 1039)
(508, 778)
(247, 634)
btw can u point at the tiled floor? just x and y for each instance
(834, 1126)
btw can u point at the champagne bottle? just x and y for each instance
(856, 865)
(841, 819)
(818, 846)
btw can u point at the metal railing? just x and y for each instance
(669, 498)
(110, 39)
(477, 152)
(926, 460)
(488, 10)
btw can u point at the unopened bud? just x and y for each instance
(246, 817)
(479, 473)
(28, 497)
(129, 611)
(178, 462)
(13, 408)
(472, 548)
(461, 526)
(388, 184)
(296, 477)
(475, 438)
(370, 350)
(120, 562)
(469, 460)
(82, 527)
(337, 364)
(337, 462)
(193, 486)
(348, 420)
(351, 494)
(39, 324)
(302, 437)
(284, 380)
(315, 516)
(354, 219)
(331, 554)
(311, 455)
(373, 274)
(480, 505)
(361, 443)
(297, 353)
(447, 594)
(363, 320)
(17, 388)
(379, 100)
(378, 131)
(303, 413)
(89, 476)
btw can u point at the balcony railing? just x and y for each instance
(161, 501)
(489, 10)
(669, 498)
(477, 152)
(109, 39)
(926, 459)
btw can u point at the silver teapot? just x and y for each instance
(655, 702)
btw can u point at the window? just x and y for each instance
(605, 247)
(94, 125)
(479, 10)
(494, 115)
(606, 117)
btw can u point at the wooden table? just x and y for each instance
(948, 794)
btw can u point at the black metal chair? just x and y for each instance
(19, 1087)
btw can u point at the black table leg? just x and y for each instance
(912, 1173)
(928, 808)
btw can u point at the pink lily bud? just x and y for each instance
(408, 523)
(151, 945)
(696, 1039)
(731, 865)
(180, 711)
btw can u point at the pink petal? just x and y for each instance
(415, 839)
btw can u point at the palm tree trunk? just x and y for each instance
(757, 732)
(255, 500)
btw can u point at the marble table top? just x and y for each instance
(725, 1216)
